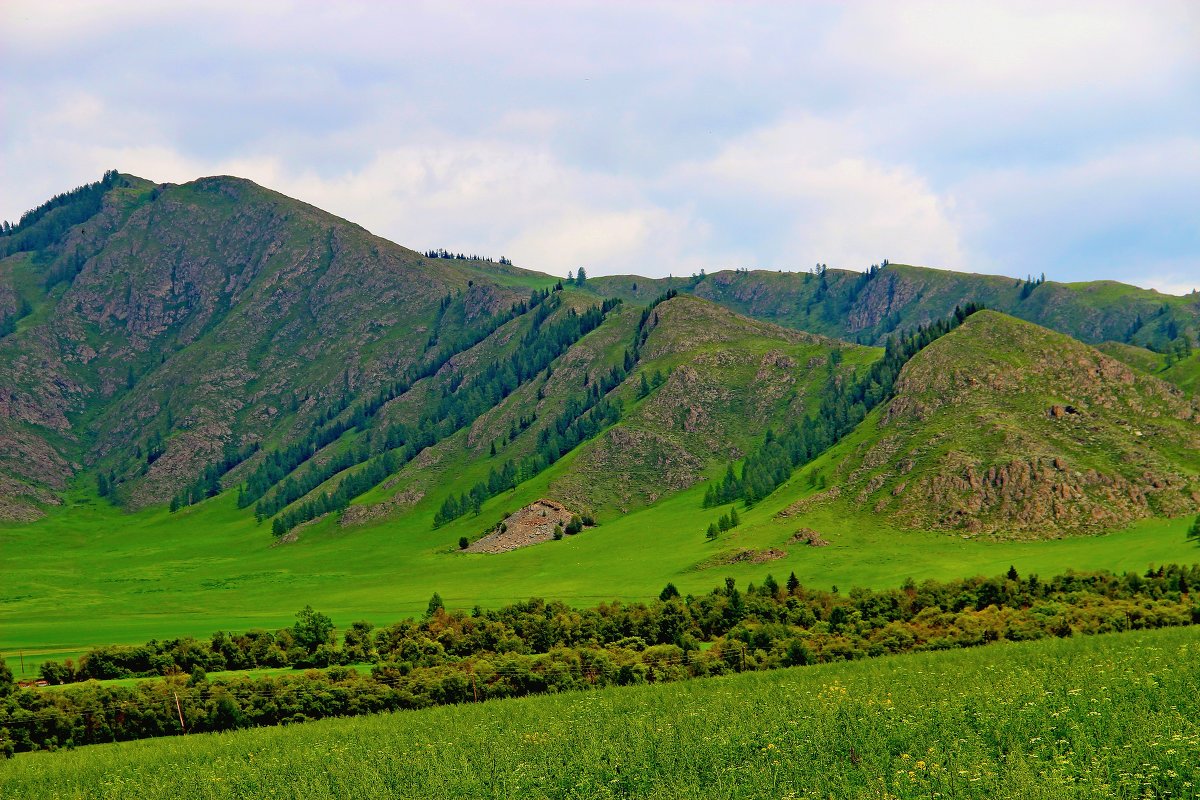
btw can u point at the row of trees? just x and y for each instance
(208, 483)
(581, 419)
(1030, 283)
(441, 252)
(458, 338)
(726, 522)
(535, 646)
(8, 324)
(279, 465)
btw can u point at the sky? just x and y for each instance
(652, 138)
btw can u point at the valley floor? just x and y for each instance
(1095, 717)
(91, 575)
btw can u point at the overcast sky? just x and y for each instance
(644, 137)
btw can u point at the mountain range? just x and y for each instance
(166, 344)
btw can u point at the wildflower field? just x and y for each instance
(1102, 716)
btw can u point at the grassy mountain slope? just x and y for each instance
(188, 318)
(728, 378)
(867, 307)
(1006, 428)
(717, 380)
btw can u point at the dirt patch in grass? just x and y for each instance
(748, 556)
(809, 537)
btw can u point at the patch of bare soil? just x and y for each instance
(748, 556)
(357, 515)
(530, 525)
(809, 537)
(807, 503)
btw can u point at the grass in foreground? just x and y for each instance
(1106, 716)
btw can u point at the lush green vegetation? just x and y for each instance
(1180, 364)
(862, 306)
(582, 418)
(1096, 717)
(114, 579)
(537, 647)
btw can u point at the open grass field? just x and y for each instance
(90, 574)
(1098, 717)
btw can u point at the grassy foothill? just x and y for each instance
(1095, 717)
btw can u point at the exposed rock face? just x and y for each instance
(747, 556)
(1007, 429)
(533, 524)
(809, 537)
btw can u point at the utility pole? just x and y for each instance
(180, 710)
(22, 652)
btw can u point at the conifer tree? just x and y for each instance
(435, 605)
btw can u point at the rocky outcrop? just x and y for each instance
(533, 524)
(1005, 429)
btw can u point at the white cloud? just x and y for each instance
(1020, 46)
(1127, 212)
(1177, 282)
(842, 207)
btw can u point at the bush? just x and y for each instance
(55, 673)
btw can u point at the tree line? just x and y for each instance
(538, 646)
(44, 226)
(581, 419)
(442, 252)
(332, 423)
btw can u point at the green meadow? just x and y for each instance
(90, 574)
(1111, 716)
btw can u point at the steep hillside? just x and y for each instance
(1003, 427)
(867, 307)
(700, 387)
(724, 379)
(180, 323)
